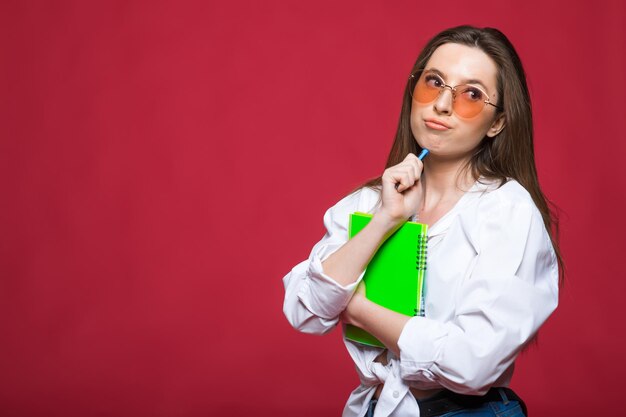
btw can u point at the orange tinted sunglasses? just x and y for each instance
(467, 100)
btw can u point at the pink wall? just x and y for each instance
(163, 165)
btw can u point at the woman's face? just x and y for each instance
(436, 125)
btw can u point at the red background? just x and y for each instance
(163, 164)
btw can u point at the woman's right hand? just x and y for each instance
(398, 204)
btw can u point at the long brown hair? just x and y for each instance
(508, 155)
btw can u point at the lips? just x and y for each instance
(436, 124)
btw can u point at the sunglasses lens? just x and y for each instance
(425, 92)
(469, 101)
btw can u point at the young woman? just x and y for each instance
(493, 263)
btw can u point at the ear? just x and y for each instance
(497, 126)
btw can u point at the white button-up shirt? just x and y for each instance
(491, 282)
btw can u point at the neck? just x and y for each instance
(444, 181)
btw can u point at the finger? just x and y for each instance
(416, 167)
(416, 164)
(405, 178)
(404, 174)
(409, 157)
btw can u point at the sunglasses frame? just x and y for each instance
(452, 90)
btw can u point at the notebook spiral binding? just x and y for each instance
(422, 250)
(420, 265)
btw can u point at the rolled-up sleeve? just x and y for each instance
(313, 300)
(508, 293)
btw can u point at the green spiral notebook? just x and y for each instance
(394, 277)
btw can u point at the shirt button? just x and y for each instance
(396, 394)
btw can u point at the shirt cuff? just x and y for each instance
(322, 295)
(420, 344)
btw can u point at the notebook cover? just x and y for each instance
(394, 276)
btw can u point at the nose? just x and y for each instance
(443, 103)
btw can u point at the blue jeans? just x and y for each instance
(504, 408)
(492, 409)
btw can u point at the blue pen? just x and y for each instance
(420, 157)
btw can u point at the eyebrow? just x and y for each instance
(468, 81)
